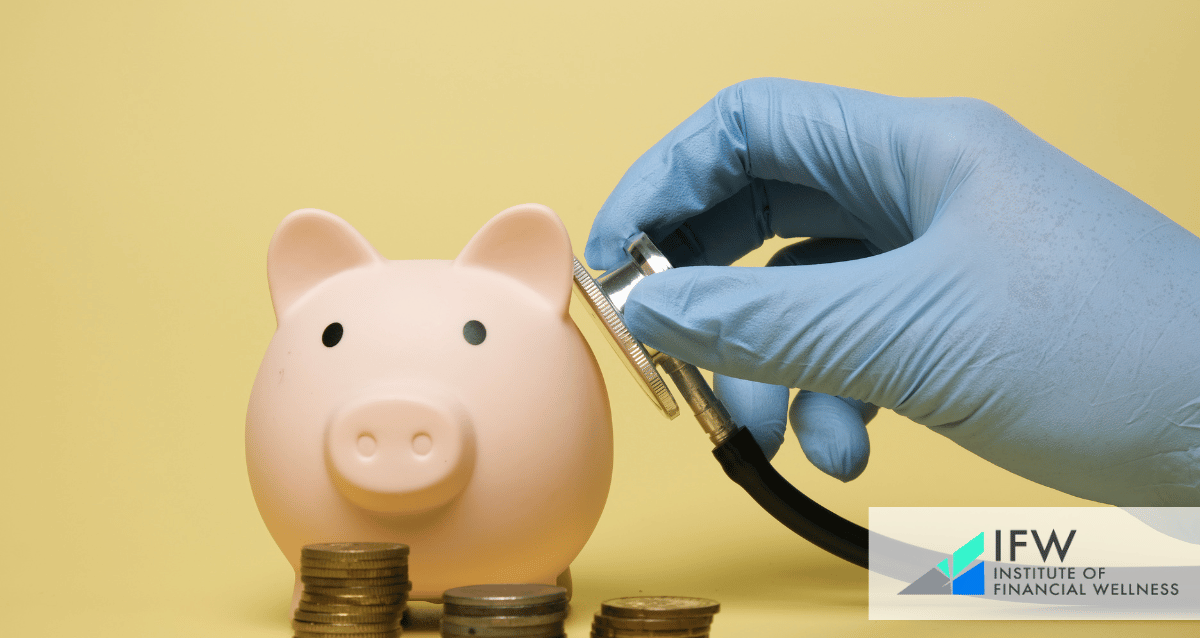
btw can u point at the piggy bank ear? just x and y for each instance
(530, 244)
(309, 247)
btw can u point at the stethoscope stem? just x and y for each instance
(709, 410)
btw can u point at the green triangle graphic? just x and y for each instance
(962, 557)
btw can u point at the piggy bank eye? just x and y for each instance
(332, 334)
(474, 332)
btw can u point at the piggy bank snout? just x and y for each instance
(401, 452)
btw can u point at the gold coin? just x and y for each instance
(343, 618)
(659, 607)
(385, 583)
(353, 599)
(369, 601)
(600, 634)
(389, 590)
(345, 628)
(609, 632)
(653, 624)
(318, 572)
(505, 621)
(348, 608)
(352, 563)
(511, 595)
(353, 560)
(354, 551)
(392, 633)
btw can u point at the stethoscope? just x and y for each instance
(734, 446)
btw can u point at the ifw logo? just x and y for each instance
(959, 575)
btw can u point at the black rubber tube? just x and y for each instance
(746, 464)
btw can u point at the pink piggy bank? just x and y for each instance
(449, 405)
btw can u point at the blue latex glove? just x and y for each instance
(985, 284)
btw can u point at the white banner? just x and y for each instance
(996, 563)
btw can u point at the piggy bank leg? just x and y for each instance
(564, 581)
(296, 594)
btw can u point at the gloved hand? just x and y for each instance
(981, 282)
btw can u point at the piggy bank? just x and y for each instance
(449, 405)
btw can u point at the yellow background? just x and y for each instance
(148, 149)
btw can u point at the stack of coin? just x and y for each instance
(645, 616)
(352, 589)
(504, 611)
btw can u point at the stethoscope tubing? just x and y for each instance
(743, 460)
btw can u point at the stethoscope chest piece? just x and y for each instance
(735, 447)
(605, 297)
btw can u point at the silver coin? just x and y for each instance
(508, 595)
(505, 621)
(543, 631)
(450, 609)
